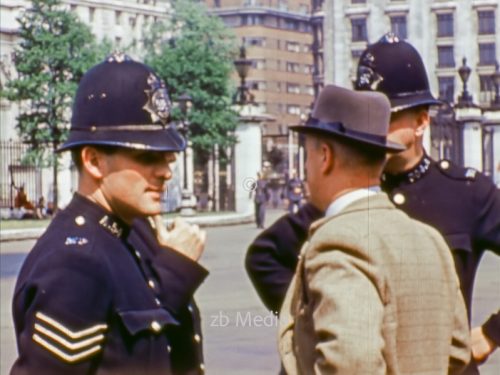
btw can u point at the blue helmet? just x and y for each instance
(123, 103)
(395, 68)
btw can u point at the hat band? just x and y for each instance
(341, 129)
(141, 128)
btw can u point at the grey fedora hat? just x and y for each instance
(360, 116)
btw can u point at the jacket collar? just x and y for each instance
(410, 176)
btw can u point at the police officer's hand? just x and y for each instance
(482, 345)
(185, 238)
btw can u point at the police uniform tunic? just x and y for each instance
(464, 206)
(96, 297)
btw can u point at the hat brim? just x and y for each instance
(165, 140)
(415, 100)
(388, 146)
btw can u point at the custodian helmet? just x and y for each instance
(395, 68)
(123, 103)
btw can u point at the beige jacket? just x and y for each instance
(375, 292)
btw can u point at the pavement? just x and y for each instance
(239, 335)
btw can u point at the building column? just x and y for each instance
(491, 143)
(247, 156)
(469, 120)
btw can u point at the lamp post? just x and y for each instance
(464, 100)
(187, 206)
(242, 65)
(495, 78)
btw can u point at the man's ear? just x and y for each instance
(93, 161)
(423, 121)
(327, 158)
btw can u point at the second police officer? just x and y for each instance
(463, 204)
(108, 289)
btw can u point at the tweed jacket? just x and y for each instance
(375, 292)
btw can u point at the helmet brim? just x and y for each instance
(165, 140)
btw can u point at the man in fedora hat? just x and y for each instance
(364, 298)
(108, 289)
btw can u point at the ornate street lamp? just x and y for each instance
(465, 100)
(187, 206)
(495, 78)
(242, 65)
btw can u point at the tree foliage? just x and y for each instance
(54, 52)
(193, 52)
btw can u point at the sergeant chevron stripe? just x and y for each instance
(71, 346)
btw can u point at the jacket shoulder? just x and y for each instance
(455, 172)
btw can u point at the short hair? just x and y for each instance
(354, 154)
(76, 154)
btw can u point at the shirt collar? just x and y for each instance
(344, 200)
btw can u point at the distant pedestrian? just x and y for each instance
(260, 192)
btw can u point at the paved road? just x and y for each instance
(240, 336)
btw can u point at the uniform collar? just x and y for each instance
(410, 176)
(86, 211)
(343, 201)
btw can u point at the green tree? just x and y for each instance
(55, 50)
(193, 52)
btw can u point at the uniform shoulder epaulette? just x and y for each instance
(456, 172)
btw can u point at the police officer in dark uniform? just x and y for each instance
(294, 193)
(108, 289)
(461, 203)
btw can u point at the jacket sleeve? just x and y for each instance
(60, 315)
(344, 299)
(487, 234)
(460, 341)
(272, 257)
(178, 275)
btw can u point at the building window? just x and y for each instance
(308, 69)
(358, 1)
(293, 46)
(258, 85)
(259, 64)
(445, 57)
(487, 54)
(486, 88)
(256, 42)
(486, 21)
(292, 88)
(91, 14)
(292, 25)
(118, 17)
(293, 109)
(132, 22)
(292, 67)
(359, 32)
(308, 90)
(445, 24)
(398, 26)
(446, 88)
(252, 20)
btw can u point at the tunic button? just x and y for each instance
(137, 254)
(197, 338)
(190, 308)
(445, 164)
(79, 220)
(202, 367)
(155, 326)
(169, 348)
(157, 301)
(151, 284)
(399, 199)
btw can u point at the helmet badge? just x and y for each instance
(158, 104)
